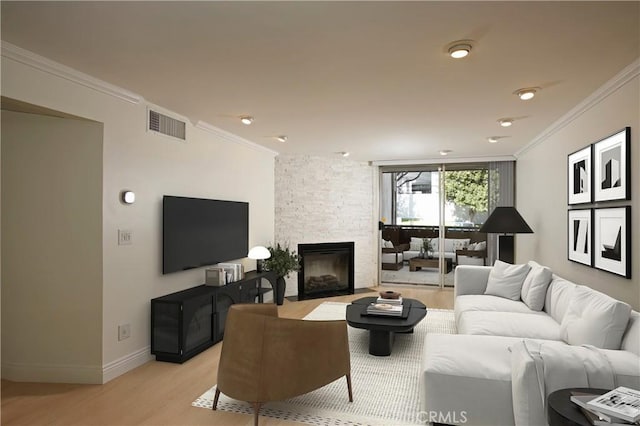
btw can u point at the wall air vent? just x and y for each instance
(166, 125)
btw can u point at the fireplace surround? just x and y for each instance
(327, 269)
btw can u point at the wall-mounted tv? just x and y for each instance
(200, 232)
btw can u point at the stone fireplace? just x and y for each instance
(326, 270)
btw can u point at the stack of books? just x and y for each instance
(386, 307)
(620, 406)
(397, 301)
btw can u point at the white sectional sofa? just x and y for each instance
(450, 247)
(514, 348)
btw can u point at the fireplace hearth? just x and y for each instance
(326, 270)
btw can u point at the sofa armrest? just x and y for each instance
(471, 253)
(391, 250)
(470, 279)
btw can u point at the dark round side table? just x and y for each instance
(562, 412)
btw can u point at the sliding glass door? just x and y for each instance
(430, 217)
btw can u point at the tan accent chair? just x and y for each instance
(266, 358)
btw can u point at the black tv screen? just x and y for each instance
(199, 232)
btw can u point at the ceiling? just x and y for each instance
(370, 78)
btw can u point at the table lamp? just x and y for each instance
(259, 253)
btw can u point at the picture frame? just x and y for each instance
(612, 240)
(579, 176)
(580, 236)
(611, 167)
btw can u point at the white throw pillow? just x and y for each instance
(534, 288)
(453, 244)
(387, 244)
(593, 318)
(415, 244)
(472, 246)
(505, 280)
(482, 245)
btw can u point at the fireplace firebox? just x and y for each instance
(326, 270)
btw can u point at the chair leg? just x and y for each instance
(348, 376)
(215, 399)
(256, 412)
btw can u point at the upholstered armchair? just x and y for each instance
(392, 257)
(266, 358)
(471, 257)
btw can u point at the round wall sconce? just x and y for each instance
(127, 197)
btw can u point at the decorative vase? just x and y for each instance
(281, 286)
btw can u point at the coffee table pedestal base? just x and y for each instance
(380, 342)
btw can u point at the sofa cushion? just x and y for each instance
(505, 280)
(415, 244)
(467, 374)
(626, 367)
(391, 257)
(484, 303)
(387, 244)
(534, 287)
(535, 325)
(558, 296)
(594, 318)
(631, 337)
(453, 244)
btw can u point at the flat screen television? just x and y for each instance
(200, 232)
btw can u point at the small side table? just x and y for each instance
(562, 412)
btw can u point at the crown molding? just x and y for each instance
(15, 53)
(230, 137)
(623, 77)
(448, 160)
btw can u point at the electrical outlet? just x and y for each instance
(125, 237)
(124, 331)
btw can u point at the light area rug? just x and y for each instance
(423, 276)
(385, 389)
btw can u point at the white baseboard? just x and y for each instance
(52, 373)
(127, 363)
(83, 374)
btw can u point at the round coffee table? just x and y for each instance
(381, 328)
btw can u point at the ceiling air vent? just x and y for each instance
(166, 125)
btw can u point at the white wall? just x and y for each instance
(542, 187)
(208, 165)
(320, 200)
(52, 248)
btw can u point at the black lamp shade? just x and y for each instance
(505, 220)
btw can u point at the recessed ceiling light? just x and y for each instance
(505, 122)
(282, 138)
(460, 49)
(526, 93)
(492, 139)
(445, 152)
(344, 153)
(246, 119)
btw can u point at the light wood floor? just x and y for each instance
(158, 393)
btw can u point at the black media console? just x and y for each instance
(185, 323)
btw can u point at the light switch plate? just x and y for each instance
(125, 237)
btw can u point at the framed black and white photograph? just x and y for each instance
(579, 176)
(611, 171)
(612, 240)
(579, 235)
